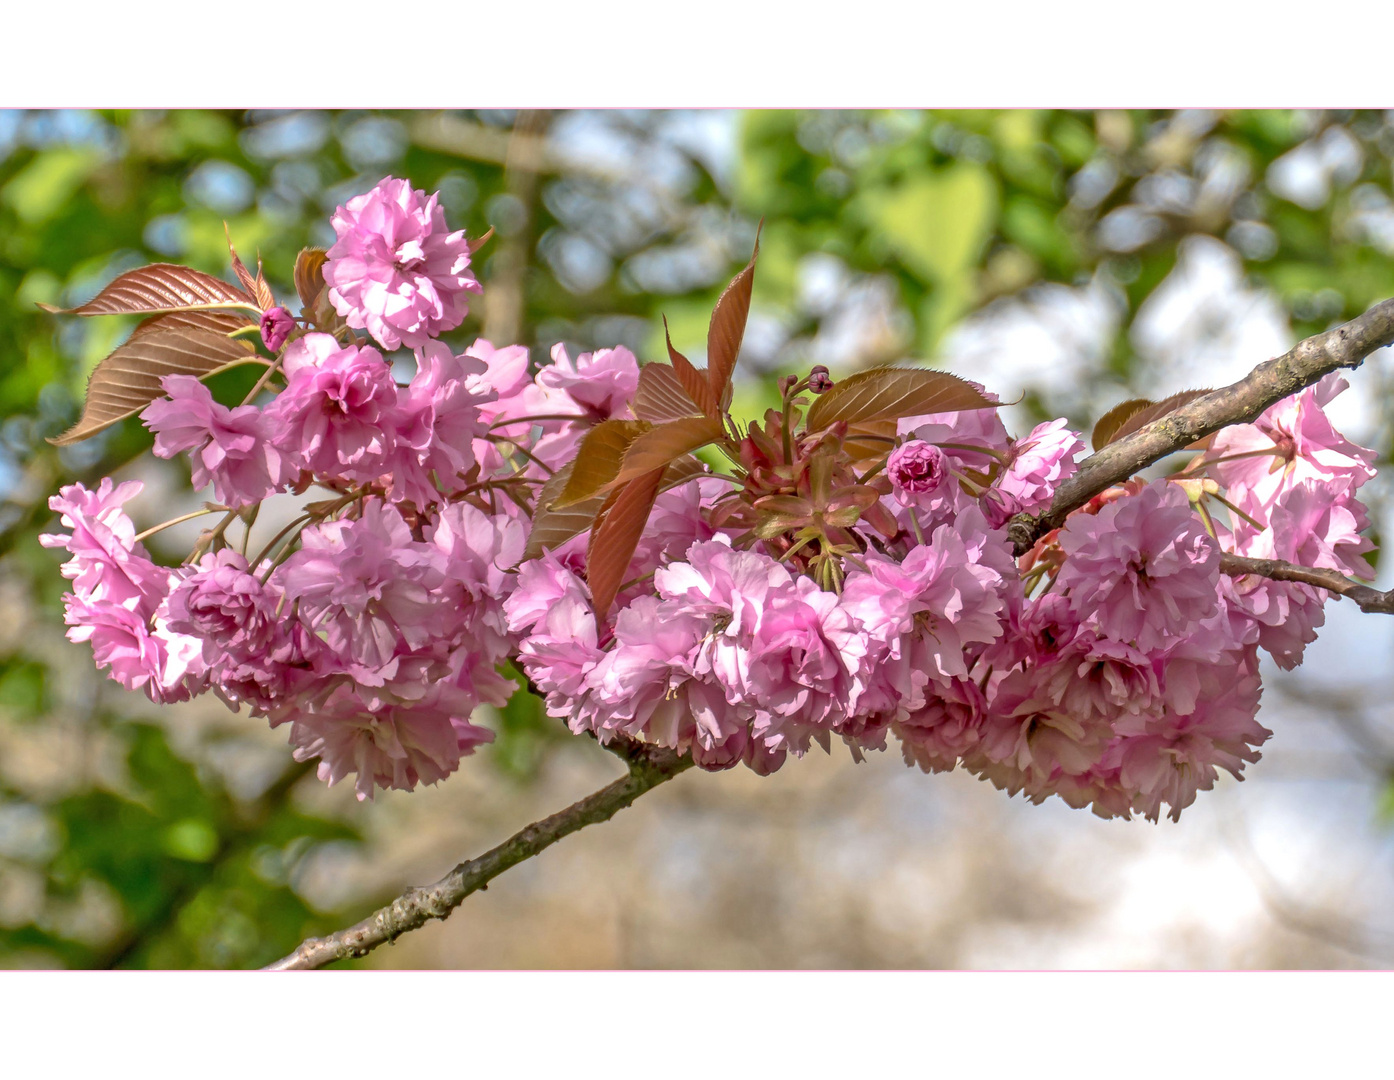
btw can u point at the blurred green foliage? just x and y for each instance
(603, 222)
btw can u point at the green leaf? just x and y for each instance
(48, 182)
(892, 393)
(938, 223)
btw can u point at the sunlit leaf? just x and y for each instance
(552, 527)
(654, 449)
(892, 393)
(309, 277)
(661, 396)
(1108, 424)
(162, 287)
(870, 440)
(599, 458)
(182, 343)
(1139, 418)
(617, 536)
(728, 328)
(693, 379)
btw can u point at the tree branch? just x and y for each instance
(1368, 599)
(649, 766)
(1344, 346)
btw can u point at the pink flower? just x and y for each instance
(229, 448)
(1143, 570)
(395, 270)
(338, 415)
(731, 589)
(388, 745)
(943, 597)
(804, 665)
(516, 396)
(107, 564)
(596, 386)
(641, 683)
(440, 423)
(368, 586)
(1169, 757)
(550, 612)
(1291, 443)
(916, 469)
(1317, 524)
(225, 606)
(947, 726)
(601, 383)
(1037, 466)
(1029, 743)
(276, 325)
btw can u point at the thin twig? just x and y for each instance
(649, 766)
(1344, 346)
(1367, 599)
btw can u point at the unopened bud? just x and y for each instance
(819, 381)
(276, 325)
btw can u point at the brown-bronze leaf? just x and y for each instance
(693, 379)
(309, 277)
(161, 288)
(1141, 417)
(665, 443)
(598, 459)
(728, 328)
(891, 394)
(615, 539)
(1108, 424)
(661, 396)
(181, 343)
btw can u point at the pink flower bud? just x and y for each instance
(276, 325)
(819, 381)
(916, 467)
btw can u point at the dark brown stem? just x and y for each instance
(1344, 346)
(649, 766)
(1367, 599)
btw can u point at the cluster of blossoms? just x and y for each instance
(815, 594)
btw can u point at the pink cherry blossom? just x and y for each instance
(601, 383)
(916, 470)
(1291, 443)
(1036, 467)
(440, 425)
(1143, 568)
(229, 448)
(395, 270)
(107, 563)
(338, 415)
(276, 325)
(388, 745)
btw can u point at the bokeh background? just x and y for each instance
(1065, 259)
